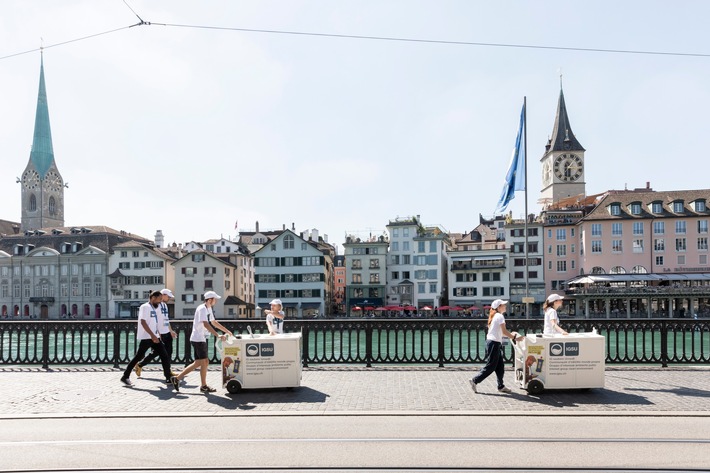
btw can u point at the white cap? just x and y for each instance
(212, 295)
(168, 293)
(497, 303)
(554, 297)
(276, 301)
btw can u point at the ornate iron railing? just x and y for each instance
(357, 341)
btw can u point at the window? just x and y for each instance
(561, 266)
(189, 284)
(615, 209)
(656, 207)
(405, 232)
(87, 289)
(421, 246)
(680, 227)
(680, 244)
(703, 243)
(635, 209)
(33, 203)
(421, 287)
(659, 228)
(406, 259)
(596, 229)
(267, 262)
(700, 206)
(561, 234)
(395, 246)
(518, 275)
(616, 229)
(52, 206)
(703, 259)
(405, 246)
(659, 244)
(681, 259)
(135, 254)
(571, 248)
(395, 274)
(432, 287)
(405, 274)
(532, 247)
(678, 207)
(561, 250)
(288, 242)
(702, 226)
(98, 289)
(198, 257)
(596, 246)
(357, 278)
(638, 246)
(638, 228)
(311, 261)
(395, 232)
(432, 246)
(617, 246)
(357, 264)
(375, 278)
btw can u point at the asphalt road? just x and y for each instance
(357, 442)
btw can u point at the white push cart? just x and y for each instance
(573, 361)
(260, 361)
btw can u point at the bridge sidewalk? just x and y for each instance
(96, 391)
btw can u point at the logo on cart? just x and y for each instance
(260, 349)
(564, 349)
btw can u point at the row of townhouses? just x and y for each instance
(617, 253)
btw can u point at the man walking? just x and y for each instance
(203, 325)
(167, 334)
(148, 337)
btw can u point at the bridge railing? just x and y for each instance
(357, 341)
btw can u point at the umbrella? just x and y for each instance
(486, 307)
(369, 308)
(444, 307)
(357, 308)
(394, 307)
(473, 307)
(409, 307)
(380, 308)
(426, 307)
(458, 307)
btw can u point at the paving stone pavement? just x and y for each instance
(96, 391)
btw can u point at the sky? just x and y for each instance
(191, 130)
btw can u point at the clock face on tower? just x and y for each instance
(568, 167)
(53, 182)
(30, 180)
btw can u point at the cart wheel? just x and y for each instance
(535, 386)
(233, 387)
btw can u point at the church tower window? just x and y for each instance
(33, 203)
(52, 206)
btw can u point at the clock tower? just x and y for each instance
(42, 185)
(563, 161)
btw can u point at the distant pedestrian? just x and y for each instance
(203, 325)
(167, 334)
(148, 337)
(552, 320)
(494, 346)
(275, 317)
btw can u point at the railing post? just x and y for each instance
(664, 344)
(306, 341)
(368, 345)
(116, 344)
(440, 338)
(45, 345)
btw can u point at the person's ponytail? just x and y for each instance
(491, 314)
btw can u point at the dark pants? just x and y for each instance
(143, 348)
(494, 355)
(167, 342)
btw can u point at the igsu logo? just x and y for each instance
(253, 349)
(260, 349)
(564, 349)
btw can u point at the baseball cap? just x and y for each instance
(497, 303)
(212, 295)
(276, 301)
(168, 293)
(554, 297)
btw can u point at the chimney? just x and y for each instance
(648, 184)
(283, 226)
(159, 239)
(314, 234)
(257, 226)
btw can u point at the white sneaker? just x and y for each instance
(504, 390)
(473, 385)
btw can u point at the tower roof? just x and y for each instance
(42, 154)
(562, 137)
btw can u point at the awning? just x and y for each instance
(310, 305)
(290, 304)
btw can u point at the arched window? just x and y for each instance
(639, 270)
(617, 270)
(97, 311)
(16, 311)
(52, 206)
(33, 203)
(74, 309)
(598, 270)
(288, 242)
(4, 311)
(27, 310)
(87, 310)
(64, 310)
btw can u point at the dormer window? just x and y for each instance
(656, 207)
(699, 206)
(635, 208)
(615, 209)
(19, 249)
(678, 206)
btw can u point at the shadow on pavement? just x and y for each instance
(678, 391)
(578, 397)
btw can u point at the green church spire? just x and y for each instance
(42, 154)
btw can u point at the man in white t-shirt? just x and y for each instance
(203, 325)
(148, 337)
(166, 332)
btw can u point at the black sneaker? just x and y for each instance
(207, 389)
(126, 381)
(176, 383)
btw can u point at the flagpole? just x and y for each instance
(527, 261)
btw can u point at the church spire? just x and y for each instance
(42, 154)
(562, 137)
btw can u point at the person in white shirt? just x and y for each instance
(166, 332)
(494, 346)
(203, 325)
(552, 320)
(149, 337)
(275, 317)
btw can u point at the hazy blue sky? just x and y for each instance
(189, 130)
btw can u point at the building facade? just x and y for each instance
(365, 273)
